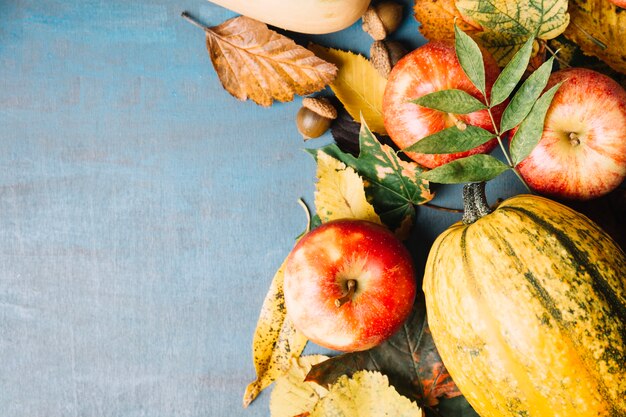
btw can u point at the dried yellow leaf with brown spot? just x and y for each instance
(340, 192)
(276, 341)
(366, 394)
(507, 24)
(292, 395)
(599, 28)
(358, 85)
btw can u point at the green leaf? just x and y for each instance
(450, 101)
(451, 140)
(392, 186)
(524, 99)
(530, 130)
(507, 24)
(471, 58)
(511, 74)
(474, 168)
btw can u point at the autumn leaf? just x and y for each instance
(292, 395)
(437, 19)
(255, 62)
(340, 192)
(366, 394)
(358, 85)
(393, 186)
(409, 358)
(275, 342)
(599, 28)
(508, 24)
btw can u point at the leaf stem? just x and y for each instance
(185, 15)
(506, 154)
(554, 53)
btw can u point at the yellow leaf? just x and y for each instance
(507, 24)
(292, 395)
(366, 394)
(255, 62)
(358, 85)
(340, 192)
(437, 19)
(599, 28)
(275, 342)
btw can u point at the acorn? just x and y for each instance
(315, 116)
(382, 19)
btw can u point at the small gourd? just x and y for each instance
(304, 16)
(527, 307)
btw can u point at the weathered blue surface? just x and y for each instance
(143, 211)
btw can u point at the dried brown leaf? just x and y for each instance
(599, 28)
(437, 18)
(255, 62)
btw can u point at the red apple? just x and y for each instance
(582, 152)
(619, 3)
(430, 68)
(349, 285)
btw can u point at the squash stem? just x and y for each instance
(475, 202)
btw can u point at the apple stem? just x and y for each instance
(574, 140)
(185, 15)
(460, 124)
(351, 283)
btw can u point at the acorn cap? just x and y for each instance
(321, 106)
(373, 25)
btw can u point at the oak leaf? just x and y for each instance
(276, 341)
(366, 394)
(409, 358)
(340, 192)
(507, 24)
(437, 19)
(255, 62)
(599, 28)
(292, 395)
(358, 85)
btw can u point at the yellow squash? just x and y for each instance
(304, 16)
(527, 307)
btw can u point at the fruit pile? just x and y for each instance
(523, 308)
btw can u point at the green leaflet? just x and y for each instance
(530, 130)
(511, 74)
(450, 101)
(451, 140)
(524, 99)
(474, 168)
(471, 58)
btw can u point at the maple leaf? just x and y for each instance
(508, 24)
(437, 19)
(393, 186)
(358, 85)
(340, 192)
(255, 62)
(292, 395)
(599, 28)
(366, 394)
(276, 341)
(409, 358)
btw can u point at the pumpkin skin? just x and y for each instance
(527, 307)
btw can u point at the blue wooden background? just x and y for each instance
(143, 210)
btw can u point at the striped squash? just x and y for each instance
(527, 307)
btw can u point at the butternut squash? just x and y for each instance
(304, 16)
